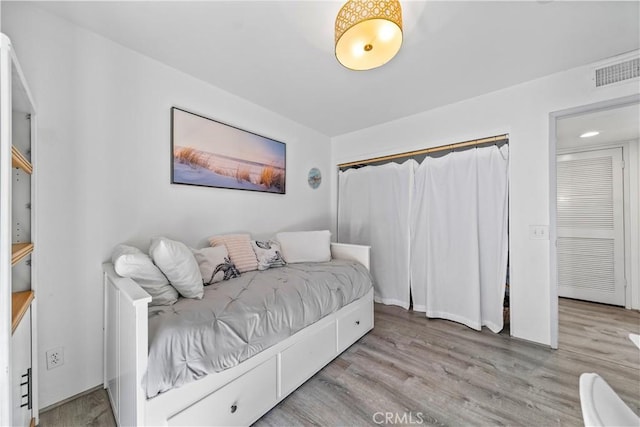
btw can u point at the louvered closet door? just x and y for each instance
(590, 226)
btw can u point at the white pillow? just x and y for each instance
(133, 263)
(215, 264)
(268, 253)
(305, 246)
(179, 265)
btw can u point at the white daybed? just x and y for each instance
(236, 396)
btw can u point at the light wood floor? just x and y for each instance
(437, 372)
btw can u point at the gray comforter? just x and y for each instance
(241, 317)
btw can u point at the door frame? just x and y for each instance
(553, 233)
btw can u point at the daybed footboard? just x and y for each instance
(236, 396)
(125, 345)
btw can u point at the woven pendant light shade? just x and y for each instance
(368, 33)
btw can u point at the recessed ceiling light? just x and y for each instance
(590, 134)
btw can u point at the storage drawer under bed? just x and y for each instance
(241, 402)
(354, 323)
(303, 359)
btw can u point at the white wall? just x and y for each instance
(522, 111)
(104, 176)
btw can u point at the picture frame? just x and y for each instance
(209, 153)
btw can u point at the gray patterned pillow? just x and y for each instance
(215, 264)
(268, 254)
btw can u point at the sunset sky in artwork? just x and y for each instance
(190, 130)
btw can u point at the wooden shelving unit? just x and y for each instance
(19, 251)
(20, 302)
(18, 280)
(20, 161)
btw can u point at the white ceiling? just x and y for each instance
(615, 125)
(279, 54)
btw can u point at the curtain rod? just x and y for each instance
(491, 139)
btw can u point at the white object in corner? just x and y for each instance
(635, 338)
(601, 406)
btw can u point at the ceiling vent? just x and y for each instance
(619, 72)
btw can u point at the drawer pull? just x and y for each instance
(234, 408)
(357, 322)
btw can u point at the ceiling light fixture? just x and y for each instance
(368, 33)
(590, 134)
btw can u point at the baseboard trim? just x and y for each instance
(69, 399)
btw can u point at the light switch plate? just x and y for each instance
(539, 232)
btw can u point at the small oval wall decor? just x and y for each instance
(315, 178)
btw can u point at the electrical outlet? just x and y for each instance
(55, 357)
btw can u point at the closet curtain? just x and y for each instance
(459, 236)
(374, 205)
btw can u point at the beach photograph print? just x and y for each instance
(212, 154)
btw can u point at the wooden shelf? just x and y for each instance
(20, 302)
(20, 161)
(19, 251)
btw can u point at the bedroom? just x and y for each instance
(103, 138)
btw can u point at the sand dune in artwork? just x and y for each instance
(197, 167)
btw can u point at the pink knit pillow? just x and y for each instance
(240, 251)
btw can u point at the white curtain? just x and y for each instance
(374, 205)
(493, 217)
(459, 237)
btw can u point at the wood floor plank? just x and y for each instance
(92, 409)
(599, 330)
(452, 375)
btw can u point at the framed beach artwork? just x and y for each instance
(209, 153)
